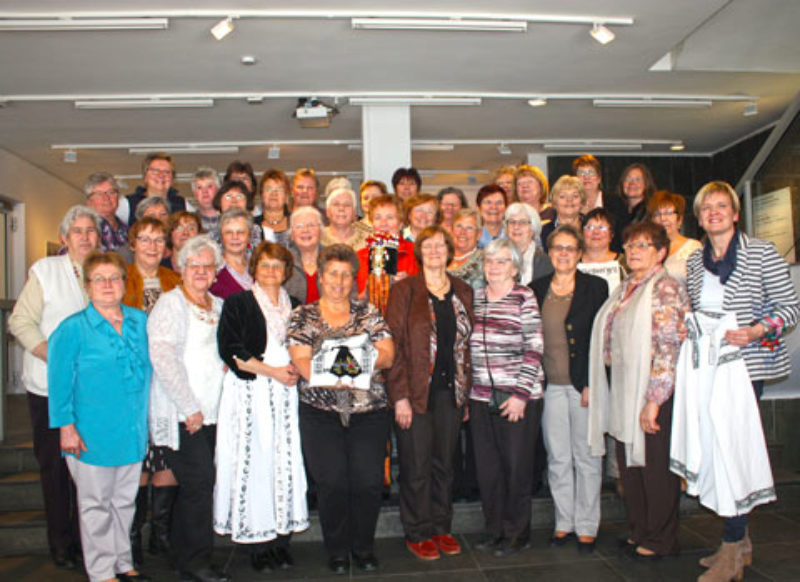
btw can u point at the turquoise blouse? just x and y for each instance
(100, 381)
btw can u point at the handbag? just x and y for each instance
(498, 397)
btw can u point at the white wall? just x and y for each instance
(40, 201)
(46, 199)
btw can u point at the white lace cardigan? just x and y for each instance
(170, 393)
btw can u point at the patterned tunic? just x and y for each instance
(308, 328)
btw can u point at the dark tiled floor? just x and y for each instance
(776, 535)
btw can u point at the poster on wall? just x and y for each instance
(772, 220)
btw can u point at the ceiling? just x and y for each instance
(732, 51)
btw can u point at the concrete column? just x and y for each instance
(386, 138)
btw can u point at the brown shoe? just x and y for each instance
(728, 565)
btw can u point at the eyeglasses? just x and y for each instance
(201, 266)
(234, 232)
(466, 227)
(564, 248)
(526, 182)
(664, 213)
(639, 246)
(78, 231)
(434, 246)
(234, 196)
(304, 225)
(585, 173)
(274, 191)
(146, 240)
(103, 193)
(513, 222)
(100, 280)
(157, 172)
(271, 265)
(597, 227)
(635, 180)
(186, 228)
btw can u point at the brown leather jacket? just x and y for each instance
(409, 317)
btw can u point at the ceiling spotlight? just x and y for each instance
(677, 147)
(311, 112)
(274, 153)
(70, 157)
(750, 109)
(538, 102)
(222, 28)
(248, 60)
(601, 33)
(503, 150)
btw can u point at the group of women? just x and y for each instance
(269, 360)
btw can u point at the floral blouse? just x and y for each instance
(308, 328)
(670, 305)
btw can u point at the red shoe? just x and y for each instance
(447, 544)
(424, 550)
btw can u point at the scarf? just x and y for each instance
(724, 267)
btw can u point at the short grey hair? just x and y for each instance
(336, 183)
(530, 212)
(336, 192)
(148, 203)
(305, 210)
(73, 214)
(98, 178)
(204, 173)
(233, 214)
(196, 245)
(500, 244)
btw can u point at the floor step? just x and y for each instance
(16, 458)
(24, 532)
(21, 492)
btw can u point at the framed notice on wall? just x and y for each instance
(772, 220)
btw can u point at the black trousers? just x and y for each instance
(60, 503)
(652, 492)
(505, 455)
(347, 465)
(426, 451)
(193, 512)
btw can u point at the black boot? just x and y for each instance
(161, 518)
(139, 519)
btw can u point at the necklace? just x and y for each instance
(274, 222)
(464, 257)
(439, 290)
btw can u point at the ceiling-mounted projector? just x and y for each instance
(312, 112)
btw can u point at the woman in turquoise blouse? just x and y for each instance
(99, 374)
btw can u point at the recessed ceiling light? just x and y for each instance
(222, 28)
(503, 150)
(601, 33)
(70, 157)
(537, 102)
(274, 153)
(248, 60)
